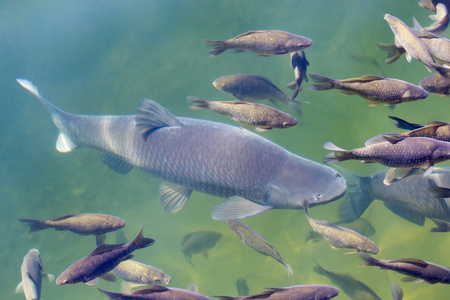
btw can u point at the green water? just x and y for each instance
(103, 57)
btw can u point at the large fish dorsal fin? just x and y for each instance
(64, 217)
(105, 248)
(365, 78)
(237, 207)
(153, 288)
(173, 196)
(151, 116)
(436, 124)
(414, 261)
(393, 138)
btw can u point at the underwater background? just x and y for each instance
(103, 57)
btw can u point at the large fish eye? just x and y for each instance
(317, 197)
(156, 280)
(285, 124)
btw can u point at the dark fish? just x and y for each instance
(442, 226)
(436, 84)
(396, 291)
(137, 274)
(412, 267)
(251, 115)
(361, 225)
(32, 275)
(409, 198)
(376, 89)
(262, 42)
(299, 64)
(441, 20)
(156, 292)
(254, 240)
(430, 5)
(341, 237)
(199, 242)
(400, 153)
(297, 292)
(102, 260)
(355, 289)
(242, 287)
(402, 124)
(214, 158)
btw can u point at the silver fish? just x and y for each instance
(102, 260)
(412, 267)
(156, 292)
(440, 24)
(255, 174)
(300, 65)
(341, 237)
(254, 240)
(32, 275)
(396, 291)
(261, 42)
(297, 292)
(442, 226)
(250, 115)
(199, 242)
(430, 5)
(361, 225)
(376, 89)
(409, 198)
(137, 274)
(436, 84)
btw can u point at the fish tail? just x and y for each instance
(339, 154)
(111, 295)
(218, 47)
(319, 269)
(402, 124)
(199, 103)
(294, 105)
(289, 271)
(443, 71)
(440, 192)
(35, 225)
(321, 82)
(442, 226)
(393, 53)
(141, 242)
(367, 259)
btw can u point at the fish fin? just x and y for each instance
(409, 57)
(173, 196)
(19, 288)
(428, 171)
(351, 252)
(218, 47)
(48, 277)
(409, 279)
(111, 295)
(126, 286)
(151, 116)
(442, 226)
(100, 239)
(347, 93)
(35, 225)
(392, 51)
(237, 207)
(295, 107)
(199, 103)
(367, 259)
(393, 138)
(105, 248)
(396, 291)
(152, 288)
(262, 129)
(94, 281)
(440, 192)
(321, 82)
(188, 258)
(141, 242)
(405, 213)
(417, 28)
(332, 147)
(334, 247)
(373, 103)
(64, 144)
(292, 85)
(380, 138)
(365, 78)
(192, 287)
(109, 277)
(402, 124)
(116, 163)
(339, 154)
(414, 261)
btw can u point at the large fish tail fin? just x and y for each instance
(358, 197)
(141, 242)
(417, 28)
(35, 225)
(393, 53)
(442, 226)
(367, 259)
(443, 71)
(320, 270)
(64, 143)
(218, 47)
(321, 82)
(198, 103)
(111, 295)
(339, 154)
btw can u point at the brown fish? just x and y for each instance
(437, 84)
(156, 292)
(251, 115)
(435, 130)
(262, 42)
(440, 24)
(399, 153)
(376, 89)
(300, 65)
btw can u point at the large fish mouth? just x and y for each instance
(335, 191)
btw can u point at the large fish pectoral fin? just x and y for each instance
(19, 288)
(408, 57)
(173, 196)
(151, 116)
(64, 144)
(237, 207)
(116, 163)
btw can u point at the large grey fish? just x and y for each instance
(262, 42)
(412, 267)
(361, 225)
(156, 292)
(442, 226)
(136, 274)
(256, 175)
(300, 65)
(376, 89)
(409, 198)
(430, 5)
(199, 242)
(436, 84)
(396, 291)
(398, 152)
(251, 115)
(355, 289)
(341, 237)
(84, 224)
(31, 271)
(414, 47)
(102, 260)
(254, 240)
(439, 25)
(297, 292)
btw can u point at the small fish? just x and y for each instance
(412, 267)
(435, 130)
(32, 275)
(430, 5)
(199, 242)
(341, 237)
(262, 42)
(137, 274)
(440, 24)
(376, 89)
(254, 240)
(399, 153)
(242, 287)
(84, 224)
(102, 260)
(251, 115)
(361, 225)
(299, 64)
(156, 292)
(436, 84)
(297, 292)
(355, 289)
(442, 226)
(396, 291)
